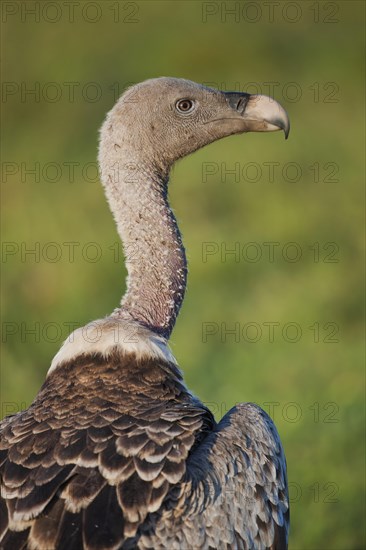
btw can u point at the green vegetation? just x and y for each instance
(311, 370)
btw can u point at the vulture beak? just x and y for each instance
(258, 113)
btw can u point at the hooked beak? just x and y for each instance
(257, 113)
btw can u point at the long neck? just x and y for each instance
(154, 252)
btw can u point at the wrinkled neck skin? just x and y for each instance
(136, 190)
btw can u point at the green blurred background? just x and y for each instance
(313, 387)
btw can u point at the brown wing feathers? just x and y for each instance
(97, 451)
(118, 455)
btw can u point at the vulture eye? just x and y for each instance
(184, 106)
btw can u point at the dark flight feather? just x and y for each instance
(103, 523)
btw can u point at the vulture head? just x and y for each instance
(169, 118)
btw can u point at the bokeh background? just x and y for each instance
(308, 373)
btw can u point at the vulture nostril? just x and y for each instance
(237, 100)
(242, 103)
(239, 103)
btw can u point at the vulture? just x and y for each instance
(115, 452)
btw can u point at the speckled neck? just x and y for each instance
(154, 252)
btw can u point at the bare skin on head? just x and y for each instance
(138, 147)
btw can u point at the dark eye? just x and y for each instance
(184, 106)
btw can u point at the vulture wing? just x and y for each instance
(234, 492)
(238, 485)
(96, 453)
